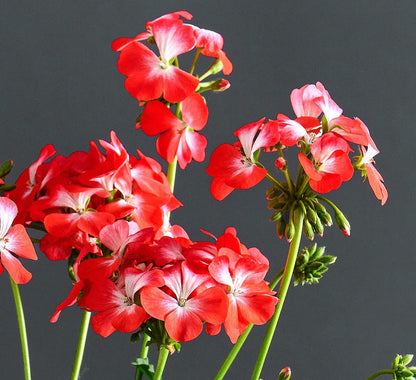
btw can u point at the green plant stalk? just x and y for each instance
(143, 354)
(242, 338)
(22, 328)
(161, 362)
(381, 372)
(281, 294)
(82, 338)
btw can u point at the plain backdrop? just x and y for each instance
(59, 84)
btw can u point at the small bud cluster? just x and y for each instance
(401, 371)
(315, 214)
(311, 264)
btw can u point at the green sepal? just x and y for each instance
(143, 366)
(5, 168)
(7, 187)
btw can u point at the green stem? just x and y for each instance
(242, 338)
(171, 174)
(22, 328)
(163, 357)
(233, 353)
(82, 338)
(281, 294)
(381, 372)
(143, 354)
(286, 172)
(196, 56)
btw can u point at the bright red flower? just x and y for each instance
(250, 299)
(331, 165)
(115, 303)
(234, 166)
(14, 239)
(150, 77)
(187, 302)
(178, 137)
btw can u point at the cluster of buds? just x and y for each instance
(311, 264)
(315, 214)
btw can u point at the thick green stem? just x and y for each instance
(381, 372)
(242, 338)
(22, 329)
(82, 338)
(163, 357)
(281, 294)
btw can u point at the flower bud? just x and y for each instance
(308, 229)
(342, 222)
(290, 231)
(284, 374)
(280, 163)
(215, 85)
(280, 228)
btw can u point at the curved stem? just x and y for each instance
(281, 294)
(82, 338)
(163, 357)
(381, 372)
(22, 328)
(242, 338)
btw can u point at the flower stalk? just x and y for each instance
(82, 338)
(22, 328)
(281, 294)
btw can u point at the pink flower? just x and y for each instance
(14, 239)
(331, 165)
(374, 177)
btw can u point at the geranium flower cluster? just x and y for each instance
(324, 147)
(324, 136)
(159, 85)
(107, 214)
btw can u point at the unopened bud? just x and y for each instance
(318, 227)
(215, 85)
(280, 228)
(342, 223)
(308, 229)
(290, 231)
(284, 374)
(280, 163)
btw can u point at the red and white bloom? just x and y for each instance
(14, 239)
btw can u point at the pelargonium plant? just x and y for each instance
(106, 212)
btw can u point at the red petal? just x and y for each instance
(20, 243)
(16, 270)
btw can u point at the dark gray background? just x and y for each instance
(59, 84)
